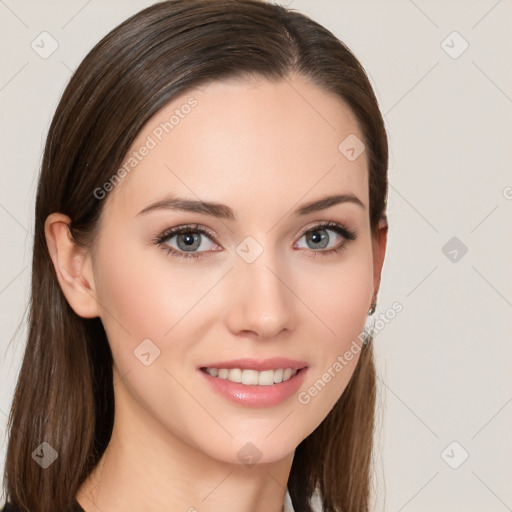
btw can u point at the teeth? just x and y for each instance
(287, 373)
(235, 375)
(278, 375)
(253, 377)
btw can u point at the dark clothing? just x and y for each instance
(9, 508)
(288, 506)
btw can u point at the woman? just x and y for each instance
(209, 237)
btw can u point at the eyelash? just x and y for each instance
(196, 228)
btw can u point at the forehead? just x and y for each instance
(233, 141)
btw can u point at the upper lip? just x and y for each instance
(273, 363)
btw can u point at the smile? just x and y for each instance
(252, 377)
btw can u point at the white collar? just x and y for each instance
(288, 506)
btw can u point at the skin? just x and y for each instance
(263, 150)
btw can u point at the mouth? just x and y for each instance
(252, 377)
(255, 383)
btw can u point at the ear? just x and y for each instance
(379, 250)
(73, 266)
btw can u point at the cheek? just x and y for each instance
(339, 297)
(127, 296)
(143, 294)
(340, 301)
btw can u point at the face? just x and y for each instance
(185, 295)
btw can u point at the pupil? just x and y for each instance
(189, 240)
(317, 237)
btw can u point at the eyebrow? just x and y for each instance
(223, 211)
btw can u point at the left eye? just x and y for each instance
(319, 238)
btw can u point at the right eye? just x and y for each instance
(189, 241)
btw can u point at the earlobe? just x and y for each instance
(72, 266)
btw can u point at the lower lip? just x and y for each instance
(256, 396)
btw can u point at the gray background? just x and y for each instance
(444, 361)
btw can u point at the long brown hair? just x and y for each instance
(64, 394)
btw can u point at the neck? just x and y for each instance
(147, 467)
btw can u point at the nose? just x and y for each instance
(262, 302)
